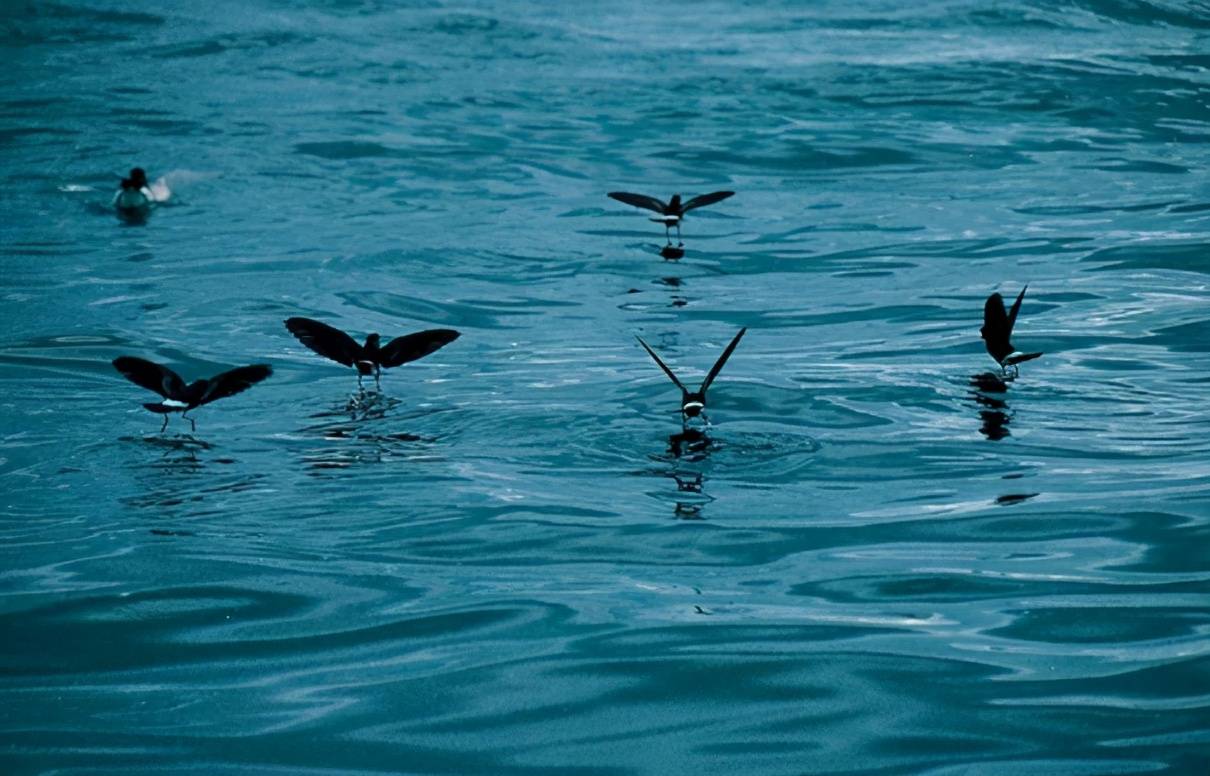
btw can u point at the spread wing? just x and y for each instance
(1016, 357)
(233, 382)
(718, 365)
(151, 376)
(663, 366)
(639, 200)
(325, 340)
(413, 346)
(705, 199)
(1012, 314)
(995, 327)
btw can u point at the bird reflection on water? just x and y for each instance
(369, 405)
(690, 445)
(352, 427)
(990, 394)
(674, 283)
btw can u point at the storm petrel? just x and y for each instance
(670, 214)
(998, 327)
(370, 358)
(694, 402)
(134, 196)
(179, 397)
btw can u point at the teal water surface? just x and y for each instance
(877, 567)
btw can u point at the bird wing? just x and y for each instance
(663, 366)
(705, 199)
(1012, 314)
(410, 347)
(150, 375)
(995, 327)
(326, 341)
(1017, 357)
(235, 381)
(718, 365)
(639, 200)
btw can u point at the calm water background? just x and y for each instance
(875, 568)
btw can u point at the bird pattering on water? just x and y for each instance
(370, 358)
(134, 195)
(693, 403)
(179, 397)
(670, 213)
(998, 328)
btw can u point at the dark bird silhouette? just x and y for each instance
(693, 403)
(370, 358)
(998, 328)
(134, 197)
(670, 214)
(179, 397)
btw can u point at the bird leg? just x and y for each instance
(679, 243)
(192, 425)
(377, 374)
(666, 235)
(164, 425)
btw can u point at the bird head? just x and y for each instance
(675, 202)
(137, 179)
(372, 342)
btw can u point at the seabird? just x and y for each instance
(997, 328)
(370, 358)
(179, 397)
(670, 214)
(134, 197)
(694, 402)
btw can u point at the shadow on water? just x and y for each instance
(178, 447)
(182, 475)
(990, 394)
(354, 438)
(133, 216)
(674, 283)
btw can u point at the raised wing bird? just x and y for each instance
(694, 402)
(998, 328)
(370, 358)
(670, 214)
(179, 397)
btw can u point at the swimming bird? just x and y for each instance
(134, 197)
(179, 397)
(670, 214)
(370, 358)
(997, 328)
(693, 403)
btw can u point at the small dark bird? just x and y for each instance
(370, 358)
(670, 214)
(694, 402)
(179, 397)
(997, 328)
(134, 196)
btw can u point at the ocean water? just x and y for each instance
(881, 563)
